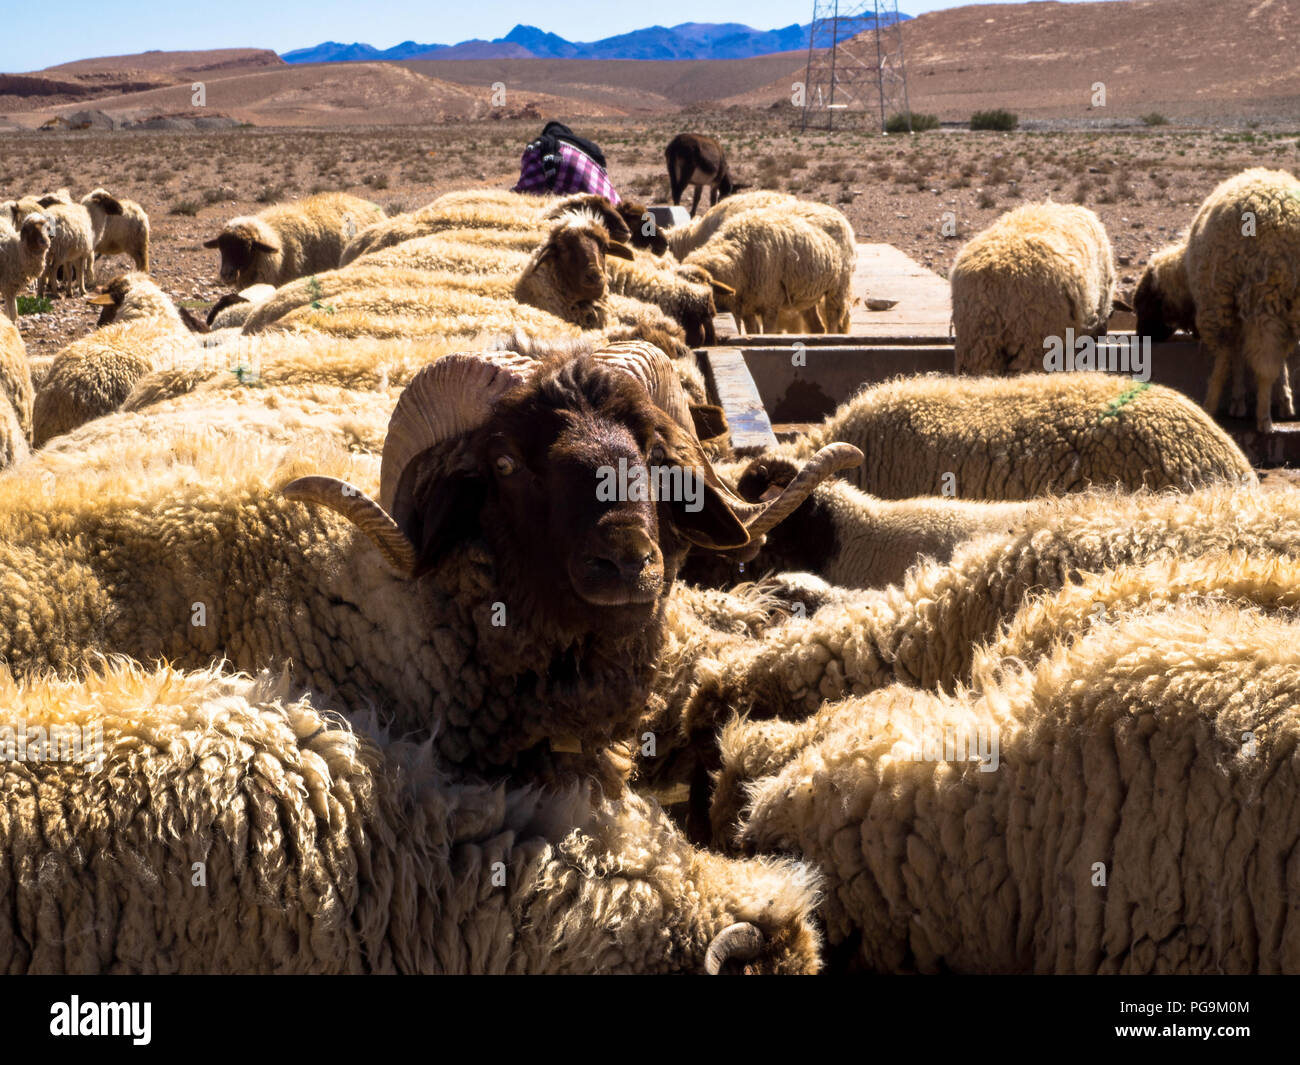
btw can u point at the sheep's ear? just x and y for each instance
(192, 323)
(263, 246)
(442, 516)
(110, 204)
(1119, 303)
(721, 289)
(619, 251)
(215, 242)
(712, 523)
(101, 299)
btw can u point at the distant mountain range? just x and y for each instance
(690, 40)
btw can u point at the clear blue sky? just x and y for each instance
(83, 29)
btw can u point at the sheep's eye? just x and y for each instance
(505, 465)
(658, 455)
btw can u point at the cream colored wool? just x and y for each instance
(685, 301)
(922, 632)
(325, 851)
(15, 389)
(512, 215)
(1243, 274)
(94, 374)
(126, 233)
(72, 247)
(23, 252)
(235, 315)
(1034, 273)
(776, 262)
(1111, 751)
(684, 239)
(444, 253)
(1017, 438)
(309, 236)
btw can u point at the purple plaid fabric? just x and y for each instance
(575, 171)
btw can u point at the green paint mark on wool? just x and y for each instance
(316, 292)
(1126, 397)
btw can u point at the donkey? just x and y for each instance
(694, 159)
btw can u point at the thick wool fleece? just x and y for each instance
(1021, 437)
(323, 851)
(1243, 273)
(1034, 273)
(924, 631)
(776, 262)
(310, 235)
(1160, 750)
(15, 389)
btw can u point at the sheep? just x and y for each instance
(15, 396)
(506, 616)
(25, 206)
(566, 274)
(121, 227)
(235, 308)
(324, 850)
(852, 539)
(518, 215)
(289, 241)
(691, 304)
(1034, 273)
(1241, 276)
(72, 249)
(140, 330)
(1026, 436)
(1162, 300)
(23, 253)
(1107, 751)
(775, 262)
(834, 309)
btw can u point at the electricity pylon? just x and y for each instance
(855, 63)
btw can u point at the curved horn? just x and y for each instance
(741, 941)
(448, 398)
(361, 511)
(656, 372)
(759, 518)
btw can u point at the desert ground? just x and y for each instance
(1144, 183)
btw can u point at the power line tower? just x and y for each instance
(855, 64)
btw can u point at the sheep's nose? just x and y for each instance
(627, 567)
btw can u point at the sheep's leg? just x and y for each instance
(11, 305)
(1237, 404)
(1265, 346)
(1223, 365)
(1282, 393)
(814, 320)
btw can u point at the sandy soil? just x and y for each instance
(897, 190)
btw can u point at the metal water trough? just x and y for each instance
(799, 379)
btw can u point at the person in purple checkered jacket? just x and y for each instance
(561, 162)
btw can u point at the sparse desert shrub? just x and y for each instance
(996, 119)
(897, 122)
(34, 305)
(1154, 118)
(986, 199)
(185, 207)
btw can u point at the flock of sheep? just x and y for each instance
(984, 673)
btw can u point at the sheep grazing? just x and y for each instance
(776, 263)
(121, 227)
(684, 239)
(688, 302)
(694, 159)
(140, 331)
(72, 249)
(1240, 264)
(1026, 826)
(289, 241)
(1162, 300)
(1026, 436)
(15, 396)
(1036, 272)
(23, 253)
(566, 274)
(342, 853)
